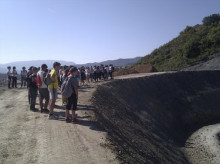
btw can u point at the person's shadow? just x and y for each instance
(83, 120)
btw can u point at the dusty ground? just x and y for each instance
(29, 137)
(149, 118)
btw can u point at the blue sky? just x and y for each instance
(85, 31)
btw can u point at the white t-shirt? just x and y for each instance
(87, 71)
(14, 73)
(9, 73)
(23, 73)
(41, 74)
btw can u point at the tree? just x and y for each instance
(214, 18)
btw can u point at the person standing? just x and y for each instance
(32, 88)
(87, 73)
(53, 87)
(14, 77)
(72, 100)
(23, 77)
(30, 71)
(43, 90)
(83, 75)
(111, 70)
(9, 74)
(91, 73)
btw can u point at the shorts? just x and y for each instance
(71, 102)
(53, 94)
(44, 93)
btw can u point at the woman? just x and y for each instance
(9, 74)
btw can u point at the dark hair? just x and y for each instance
(9, 67)
(73, 69)
(23, 67)
(66, 72)
(43, 66)
(14, 67)
(34, 68)
(30, 68)
(56, 64)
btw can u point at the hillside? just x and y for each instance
(194, 44)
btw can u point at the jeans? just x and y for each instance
(9, 81)
(14, 82)
(33, 96)
(23, 81)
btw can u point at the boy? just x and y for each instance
(53, 87)
(72, 100)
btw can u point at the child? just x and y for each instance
(72, 100)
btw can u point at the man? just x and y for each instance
(32, 88)
(9, 74)
(53, 87)
(23, 77)
(43, 90)
(14, 77)
(28, 82)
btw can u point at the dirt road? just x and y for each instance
(29, 137)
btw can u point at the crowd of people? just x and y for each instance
(46, 83)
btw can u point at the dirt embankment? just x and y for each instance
(150, 118)
(143, 68)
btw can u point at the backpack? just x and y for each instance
(66, 88)
(47, 79)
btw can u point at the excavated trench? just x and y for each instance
(149, 119)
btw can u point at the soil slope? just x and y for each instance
(150, 118)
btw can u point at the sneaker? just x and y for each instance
(51, 117)
(67, 120)
(46, 111)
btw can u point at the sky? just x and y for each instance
(84, 31)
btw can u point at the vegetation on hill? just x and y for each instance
(195, 43)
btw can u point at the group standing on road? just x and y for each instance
(47, 83)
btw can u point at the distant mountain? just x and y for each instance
(118, 62)
(38, 63)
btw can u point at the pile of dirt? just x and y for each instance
(148, 119)
(211, 63)
(143, 68)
